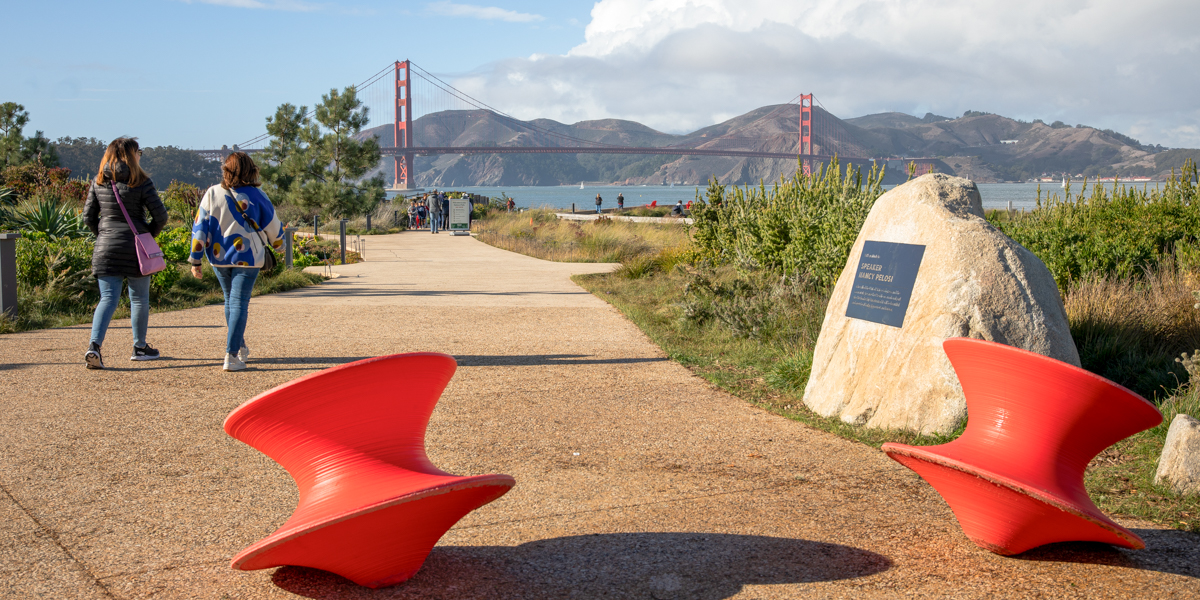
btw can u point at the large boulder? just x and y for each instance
(1179, 465)
(973, 281)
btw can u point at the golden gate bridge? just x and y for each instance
(817, 137)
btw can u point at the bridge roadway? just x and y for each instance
(635, 478)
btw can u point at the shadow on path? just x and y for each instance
(534, 360)
(1167, 551)
(620, 565)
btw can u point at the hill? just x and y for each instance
(983, 147)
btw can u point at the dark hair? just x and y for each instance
(239, 170)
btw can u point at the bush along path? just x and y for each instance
(55, 286)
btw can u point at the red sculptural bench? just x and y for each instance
(371, 505)
(1014, 478)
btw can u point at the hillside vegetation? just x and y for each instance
(980, 146)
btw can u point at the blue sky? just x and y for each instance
(202, 73)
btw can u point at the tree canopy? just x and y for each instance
(15, 148)
(316, 161)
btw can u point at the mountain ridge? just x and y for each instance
(981, 146)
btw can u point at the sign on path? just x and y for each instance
(460, 216)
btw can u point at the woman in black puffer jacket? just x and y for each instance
(115, 256)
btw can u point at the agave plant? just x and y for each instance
(50, 218)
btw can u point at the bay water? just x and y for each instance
(995, 195)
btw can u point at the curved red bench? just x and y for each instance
(353, 437)
(1014, 478)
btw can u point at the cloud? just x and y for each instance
(487, 13)
(286, 5)
(677, 65)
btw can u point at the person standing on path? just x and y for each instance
(234, 223)
(599, 201)
(435, 221)
(620, 201)
(114, 258)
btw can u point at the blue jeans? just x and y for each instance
(237, 283)
(139, 307)
(435, 222)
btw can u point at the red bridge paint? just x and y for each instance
(371, 505)
(1014, 479)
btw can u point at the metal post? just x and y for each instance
(287, 246)
(343, 239)
(8, 274)
(368, 222)
(316, 225)
(572, 208)
(395, 218)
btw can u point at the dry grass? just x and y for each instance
(1132, 330)
(540, 234)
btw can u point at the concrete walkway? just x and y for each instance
(634, 478)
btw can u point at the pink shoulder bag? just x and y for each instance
(150, 256)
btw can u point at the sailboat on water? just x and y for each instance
(581, 185)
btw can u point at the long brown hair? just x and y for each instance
(122, 150)
(239, 170)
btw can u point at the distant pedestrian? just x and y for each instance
(235, 223)
(599, 201)
(435, 219)
(422, 214)
(511, 205)
(445, 202)
(677, 210)
(114, 257)
(620, 201)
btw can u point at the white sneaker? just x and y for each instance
(233, 363)
(244, 353)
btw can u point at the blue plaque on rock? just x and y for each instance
(883, 282)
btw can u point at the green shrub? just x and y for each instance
(166, 278)
(36, 252)
(181, 200)
(1117, 233)
(301, 261)
(803, 225)
(176, 243)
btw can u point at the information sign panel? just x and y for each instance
(883, 282)
(460, 215)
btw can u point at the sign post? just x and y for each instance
(460, 216)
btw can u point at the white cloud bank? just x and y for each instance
(488, 13)
(677, 65)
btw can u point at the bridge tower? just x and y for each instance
(806, 131)
(402, 133)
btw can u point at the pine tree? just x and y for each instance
(315, 161)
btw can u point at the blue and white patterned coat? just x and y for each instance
(221, 234)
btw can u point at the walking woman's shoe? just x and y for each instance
(144, 353)
(233, 363)
(244, 353)
(92, 357)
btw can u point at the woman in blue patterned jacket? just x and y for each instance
(234, 223)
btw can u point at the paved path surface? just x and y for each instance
(634, 478)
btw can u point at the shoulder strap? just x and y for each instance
(123, 211)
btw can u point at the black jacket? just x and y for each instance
(115, 253)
